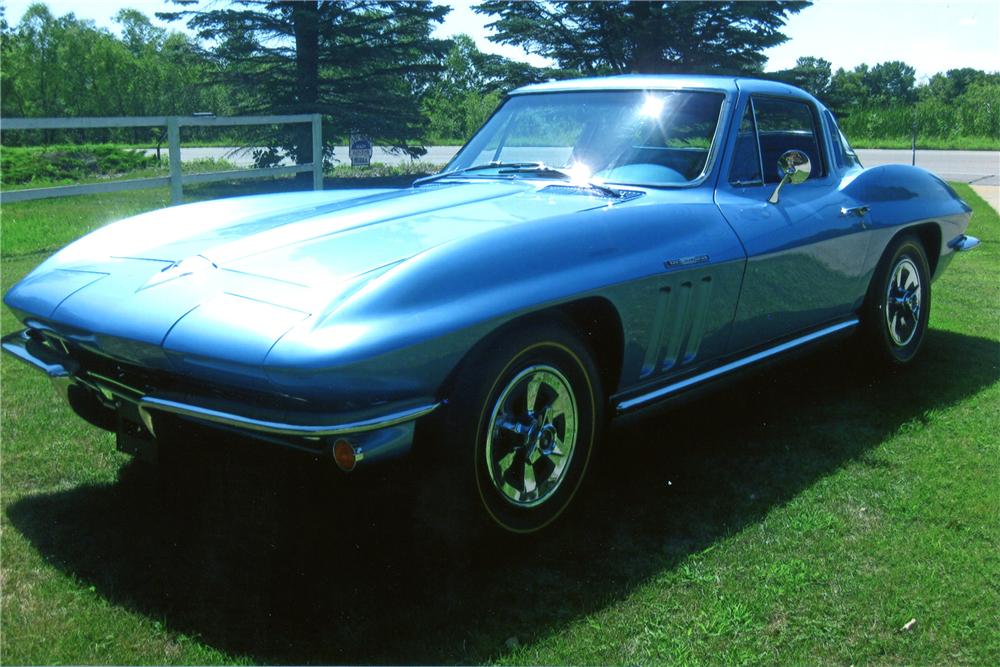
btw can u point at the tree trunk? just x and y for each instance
(646, 57)
(305, 22)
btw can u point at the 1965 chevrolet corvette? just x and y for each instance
(599, 246)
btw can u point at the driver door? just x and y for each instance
(805, 253)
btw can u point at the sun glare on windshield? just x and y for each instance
(579, 173)
(651, 107)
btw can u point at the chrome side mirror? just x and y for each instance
(793, 167)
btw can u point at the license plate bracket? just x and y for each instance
(131, 437)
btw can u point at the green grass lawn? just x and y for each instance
(802, 516)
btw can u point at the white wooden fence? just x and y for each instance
(176, 179)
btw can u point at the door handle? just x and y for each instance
(860, 211)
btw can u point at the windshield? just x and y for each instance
(638, 137)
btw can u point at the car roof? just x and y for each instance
(664, 82)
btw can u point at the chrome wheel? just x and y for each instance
(902, 303)
(532, 436)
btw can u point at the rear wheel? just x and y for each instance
(521, 428)
(899, 302)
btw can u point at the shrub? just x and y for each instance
(20, 166)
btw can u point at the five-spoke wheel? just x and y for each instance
(532, 435)
(902, 302)
(898, 304)
(522, 424)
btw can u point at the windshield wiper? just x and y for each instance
(543, 169)
(478, 167)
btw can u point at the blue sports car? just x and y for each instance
(599, 246)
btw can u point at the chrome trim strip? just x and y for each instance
(663, 392)
(963, 243)
(16, 344)
(239, 421)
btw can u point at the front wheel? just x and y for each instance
(899, 302)
(522, 426)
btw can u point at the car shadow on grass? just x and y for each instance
(269, 557)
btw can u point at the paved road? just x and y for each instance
(978, 167)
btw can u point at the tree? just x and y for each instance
(138, 32)
(648, 37)
(810, 74)
(886, 84)
(952, 84)
(361, 63)
(470, 88)
(892, 82)
(64, 66)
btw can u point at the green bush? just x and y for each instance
(23, 165)
(381, 170)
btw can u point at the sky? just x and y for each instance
(931, 35)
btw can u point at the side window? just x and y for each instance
(746, 154)
(842, 151)
(784, 125)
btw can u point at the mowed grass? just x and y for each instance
(804, 515)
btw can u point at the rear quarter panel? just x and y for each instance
(903, 197)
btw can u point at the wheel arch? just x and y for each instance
(595, 319)
(930, 237)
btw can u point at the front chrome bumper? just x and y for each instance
(388, 433)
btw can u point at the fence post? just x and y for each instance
(317, 151)
(174, 152)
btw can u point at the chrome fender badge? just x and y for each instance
(685, 261)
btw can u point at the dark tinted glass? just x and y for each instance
(842, 151)
(745, 169)
(784, 125)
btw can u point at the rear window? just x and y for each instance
(843, 154)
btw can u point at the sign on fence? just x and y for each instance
(360, 151)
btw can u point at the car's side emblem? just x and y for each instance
(185, 267)
(685, 261)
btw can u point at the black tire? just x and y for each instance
(486, 478)
(898, 304)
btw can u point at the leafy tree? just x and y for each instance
(64, 66)
(892, 82)
(468, 68)
(885, 84)
(949, 85)
(361, 63)
(648, 37)
(470, 88)
(138, 32)
(810, 74)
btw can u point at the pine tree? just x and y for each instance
(644, 37)
(361, 63)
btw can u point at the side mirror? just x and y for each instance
(793, 167)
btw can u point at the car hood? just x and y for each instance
(230, 277)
